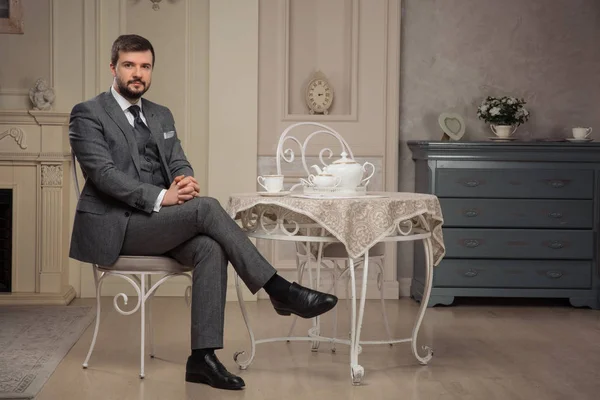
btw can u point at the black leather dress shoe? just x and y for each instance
(304, 302)
(209, 370)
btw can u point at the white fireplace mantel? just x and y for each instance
(34, 163)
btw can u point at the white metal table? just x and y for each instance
(358, 223)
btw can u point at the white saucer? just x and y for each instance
(275, 194)
(573, 140)
(502, 139)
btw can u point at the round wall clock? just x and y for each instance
(319, 94)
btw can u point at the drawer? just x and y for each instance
(514, 183)
(561, 214)
(513, 274)
(518, 243)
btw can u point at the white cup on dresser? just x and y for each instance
(581, 133)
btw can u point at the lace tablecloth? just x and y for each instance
(358, 223)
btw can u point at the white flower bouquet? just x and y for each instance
(503, 111)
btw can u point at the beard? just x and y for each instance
(131, 94)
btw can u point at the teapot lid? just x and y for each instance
(344, 159)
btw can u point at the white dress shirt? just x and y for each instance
(125, 104)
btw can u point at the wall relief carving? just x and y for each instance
(52, 175)
(17, 134)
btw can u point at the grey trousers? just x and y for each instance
(200, 233)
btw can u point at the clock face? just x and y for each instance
(319, 95)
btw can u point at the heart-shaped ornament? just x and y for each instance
(452, 124)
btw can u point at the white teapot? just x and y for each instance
(350, 172)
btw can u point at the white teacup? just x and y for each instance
(324, 180)
(271, 183)
(581, 133)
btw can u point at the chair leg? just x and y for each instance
(383, 310)
(98, 283)
(150, 324)
(143, 323)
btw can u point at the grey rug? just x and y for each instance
(33, 341)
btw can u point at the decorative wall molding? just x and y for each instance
(27, 157)
(14, 92)
(188, 74)
(122, 17)
(392, 93)
(98, 45)
(52, 175)
(33, 117)
(17, 134)
(391, 119)
(285, 53)
(51, 35)
(50, 117)
(51, 229)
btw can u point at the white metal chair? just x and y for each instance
(138, 271)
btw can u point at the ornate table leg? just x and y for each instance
(314, 345)
(428, 247)
(357, 372)
(300, 274)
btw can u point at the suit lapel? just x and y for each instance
(116, 113)
(156, 130)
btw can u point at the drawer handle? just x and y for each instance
(470, 213)
(471, 243)
(556, 244)
(554, 274)
(471, 273)
(557, 183)
(555, 214)
(472, 183)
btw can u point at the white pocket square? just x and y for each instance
(169, 135)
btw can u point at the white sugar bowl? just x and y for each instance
(324, 180)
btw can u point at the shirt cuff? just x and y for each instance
(159, 199)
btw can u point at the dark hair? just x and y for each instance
(129, 43)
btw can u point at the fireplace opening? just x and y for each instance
(5, 239)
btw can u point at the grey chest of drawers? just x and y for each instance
(520, 219)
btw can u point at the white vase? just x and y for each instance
(503, 131)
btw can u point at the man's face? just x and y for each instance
(133, 73)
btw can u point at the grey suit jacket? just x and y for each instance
(104, 144)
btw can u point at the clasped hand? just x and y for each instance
(182, 189)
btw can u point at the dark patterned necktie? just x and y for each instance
(137, 119)
(142, 132)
